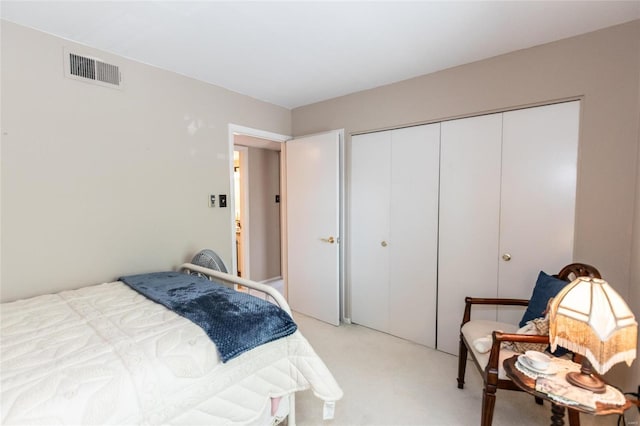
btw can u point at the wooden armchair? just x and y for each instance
(490, 363)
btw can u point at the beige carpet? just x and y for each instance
(390, 381)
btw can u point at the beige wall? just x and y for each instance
(601, 68)
(264, 214)
(99, 182)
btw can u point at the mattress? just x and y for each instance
(105, 354)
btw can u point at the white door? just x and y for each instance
(413, 240)
(369, 209)
(508, 185)
(469, 221)
(394, 231)
(313, 225)
(539, 163)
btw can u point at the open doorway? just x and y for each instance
(239, 163)
(257, 218)
(312, 257)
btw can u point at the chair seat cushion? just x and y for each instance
(481, 328)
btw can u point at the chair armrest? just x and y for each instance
(499, 337)
(492, 367)
(495, 301)
(469, 301)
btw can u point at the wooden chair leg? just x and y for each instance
(557, 415)
(488, 404)
(574, 417)
(462, 363)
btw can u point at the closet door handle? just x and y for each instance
(383, 244)
(506, 257)
(329, 240)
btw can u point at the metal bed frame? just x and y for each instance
(232, 281)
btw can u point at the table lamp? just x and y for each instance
(588, 317)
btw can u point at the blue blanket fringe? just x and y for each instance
(235, 321)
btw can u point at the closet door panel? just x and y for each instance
(469, 221)
(413, 239)
(370, 186)
(539, 163)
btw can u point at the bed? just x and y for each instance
(106, 354)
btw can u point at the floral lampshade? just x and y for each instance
(590, 318)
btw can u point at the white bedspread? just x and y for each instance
(106, 355)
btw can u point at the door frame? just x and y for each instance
(244, 216)
(234, 130)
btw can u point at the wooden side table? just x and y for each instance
(528, 385)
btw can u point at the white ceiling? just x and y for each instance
(296, 53)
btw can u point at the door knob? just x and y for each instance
(506, 257)
(383, 244)
(329, 240)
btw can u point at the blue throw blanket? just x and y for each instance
(236, 322)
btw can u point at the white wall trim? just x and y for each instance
(256, 133)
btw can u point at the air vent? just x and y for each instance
(92, 70)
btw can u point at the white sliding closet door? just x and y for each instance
(539, 163)
(413, 239)
(469, 221)
(507, 209)
(394, 231)
(370, 186)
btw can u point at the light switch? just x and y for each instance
(223, 200)
(212, 200)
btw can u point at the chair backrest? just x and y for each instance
(575, 270)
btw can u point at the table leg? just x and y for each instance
(557, 415)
